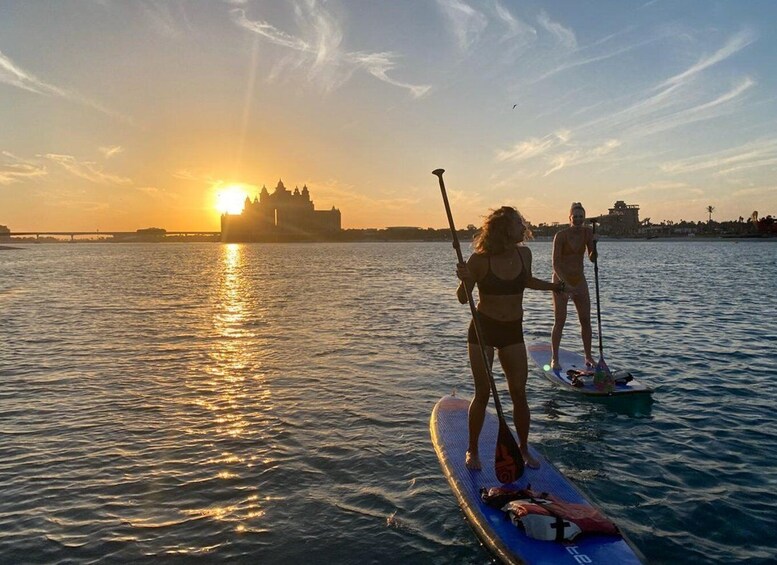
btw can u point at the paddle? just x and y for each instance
(602, 376)
(508, 461)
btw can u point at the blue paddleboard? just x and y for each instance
(574, 372)
(507, 542)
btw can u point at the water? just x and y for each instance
(270, 403)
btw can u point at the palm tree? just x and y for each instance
(710, 210)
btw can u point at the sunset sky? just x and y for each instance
(121, 114)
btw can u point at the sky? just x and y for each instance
(128, 114)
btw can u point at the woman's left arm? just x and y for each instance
(538, 284)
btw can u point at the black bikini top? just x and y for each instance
(493, 285)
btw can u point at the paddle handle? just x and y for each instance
(475, 317)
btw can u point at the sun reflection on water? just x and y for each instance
(235, 393)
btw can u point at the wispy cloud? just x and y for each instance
(557, 151)
(320, 48)
(580, 156)
(755, 154)
(14, 75)
(515, 27)
(465, 23)
(110, 151)
(15, 169)
(735, 44)
(533, 147)
(580, 61)
(651, 187)
(704, 111)
(674, 102)
(564, 36)
(169, 19)
(86, 170)
(755, 191)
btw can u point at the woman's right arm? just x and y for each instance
(557, 244)
(464, 271)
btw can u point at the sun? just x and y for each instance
(230, 199)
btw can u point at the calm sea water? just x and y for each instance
(270, 403)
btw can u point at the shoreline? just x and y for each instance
(540, 239)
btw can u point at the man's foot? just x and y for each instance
(472, 461)
(555, 365)
(589, 362)
(530, 461)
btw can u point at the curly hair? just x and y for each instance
(494, 237)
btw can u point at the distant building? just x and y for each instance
(5, 233)
(151, 234)
(622, 219)
(280, 216)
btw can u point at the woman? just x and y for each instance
(569, 246)
(501, 268)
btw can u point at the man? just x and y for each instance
(569, 245)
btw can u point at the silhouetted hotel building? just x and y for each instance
(280, 216)
(622, 219)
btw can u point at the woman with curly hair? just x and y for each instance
(501, 269)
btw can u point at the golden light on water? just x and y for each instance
(232, 382)
(231, 198)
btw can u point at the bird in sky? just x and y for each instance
(514, 105)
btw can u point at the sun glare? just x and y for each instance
(230, 199)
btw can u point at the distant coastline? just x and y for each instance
(373, 236)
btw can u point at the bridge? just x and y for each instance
(114, 234)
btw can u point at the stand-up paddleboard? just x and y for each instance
(575, 376)
(508, 542)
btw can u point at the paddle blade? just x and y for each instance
(603, 379)
(508, 461)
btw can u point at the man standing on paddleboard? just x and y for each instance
(501, 268)
(569, 246)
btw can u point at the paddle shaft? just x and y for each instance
(470, 299)
(598, 301)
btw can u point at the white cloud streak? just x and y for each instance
(86, 170)
(673, 102)
(465, 23)
(13, 75)
(652, 187)
(533, 147)
(735, 44)
(592, 59)
(755, 154)
(515, 27)
(564, 36)
(320, 49)
(581, 156)
(111, 151)
(14, 169)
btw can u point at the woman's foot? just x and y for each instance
(529, 461)
(472, 461)
(590, 363)
(555, 365)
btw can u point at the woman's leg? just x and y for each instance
(582, 302)
(560, 300)
(477, 408)
(515, 366)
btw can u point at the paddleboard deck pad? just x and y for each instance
(575, 376)
(507, 542)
